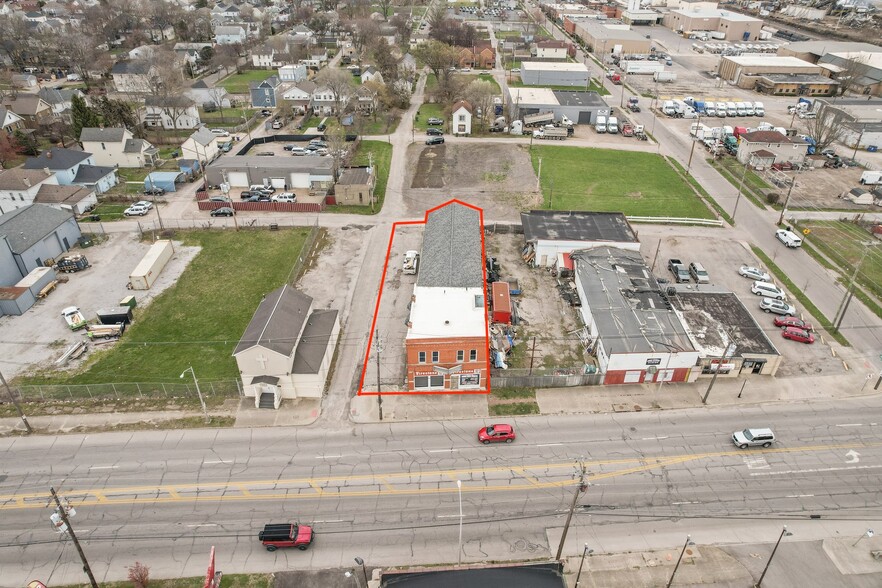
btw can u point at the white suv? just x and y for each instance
(768, 290)
(136, 210)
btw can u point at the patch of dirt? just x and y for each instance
(430, 168)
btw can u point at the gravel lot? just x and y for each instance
(40, 336)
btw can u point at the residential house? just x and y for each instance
(19, 187)
(161, 33)
(230, 35)
(323, 102)
(74, 168)
(407, 67)
(267, 93)
(293, 73)
(461, 119)
(785, 149)
(225, 12)
(60, 100)
(132, 76)
(202, 145)
(481, 55)
(24, 80)
(117, 147)
(286, 350)
(202, 94)
(371, 74)
(552, 50)
(446, 341)
(33, 110)
(172, 112)
(9, 121)
(264, 57)
(78, 199)
(300, 96)
(31, 235)
(356, 186)
(302, 30)
(366, 100)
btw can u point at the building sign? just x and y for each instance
(653, 361)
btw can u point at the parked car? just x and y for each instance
(245, 194)
(222, 211)
(322, 127)
(277, 125)
(434, 140)
(135, 210)
(318, 143)
(298, 151)
(144, 203)
(777, 307)
(265, 154)
(284, 197)
(754, 273)
(434, 132)
(515, 70)
(218, 199)
(496, 434)
(289, 147)
(266, 112)
(792, 321)
(275, 536)
(435, 121)
(752, 437)
(220, 132)
(768, 290)
(154, 191)
(797, 334)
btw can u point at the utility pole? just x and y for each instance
(379, 395)
(787, 199)
(858, 144)
(551, 193)
(539, 176)
(13, 400)
(63, 514)
(740, 187)
(532, 355)
(581, 487)
(657, 251)
(692, 150)
(849, 292)
(371, 164)
(719, 366)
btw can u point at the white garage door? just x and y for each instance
(238, 179)
(278, 183)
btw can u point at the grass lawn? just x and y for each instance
(381, 126)
(238, 83)
(431, 83)
(639, 184)
(516, 82)
(231, 117)
(843, 242)
(730, 169)
(198, 321)
(228, 581)
(382, 156)
(426, 112)
(107, 212)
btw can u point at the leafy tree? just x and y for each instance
(386, 62)
(27, 143)
(81, 116)
(116, 113)
(8, 149)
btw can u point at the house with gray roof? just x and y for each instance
(78, 199)
(118, 147)
(9, 121)
(286, 349)
(60, 100)
(202, 145)
(132, 76)
(74, 167)
(230, 35)
(201, 93)
(266, 93)
(170, 112)
(19, 187)
(31, 235)
(33, 110)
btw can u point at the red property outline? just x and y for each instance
(367, 355)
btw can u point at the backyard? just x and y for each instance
(198, 321)
(227, 117)
(238, 83)
(427, 111)
(574, 178)
(382, 158)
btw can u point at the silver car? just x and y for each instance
(777, 307)
(754, 273)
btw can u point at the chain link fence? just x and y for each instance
(544, 378)
(129, 390)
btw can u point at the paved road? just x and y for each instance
(390, 491)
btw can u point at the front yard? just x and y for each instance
(638, 184)
(427, 111)
(238, 83)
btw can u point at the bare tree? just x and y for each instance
(365, 32)
(853, 70)
(339, 83)
(218, 94)
(336, 139)
(479, 94)
(384, 5)
(226, 57)
(826, 128)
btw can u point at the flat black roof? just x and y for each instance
(546, 575)
(568, 98)
(577, 225)
(709, 315)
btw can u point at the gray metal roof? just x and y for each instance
(316, 165)
(630, 311)
(313, 344)
(56, 158)
(452, 254)
(355, 175)
(576, 225)
(710, 315)
(107, 134)
(25, 226)
(567, 98)
(89, 174)
(277, 322)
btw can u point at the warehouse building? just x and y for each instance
(581, 107)
(813, 51)
(745, 70)
(795, 85)
(283, 173)
(549, 234)
(732, 25)
(603, 37)
(863, 120)
(545, 73)
(861, 69)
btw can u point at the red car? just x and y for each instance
(792, 321)
(278, 535)
(496, 434)
(796, 334)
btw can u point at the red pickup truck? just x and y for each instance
(286, 535)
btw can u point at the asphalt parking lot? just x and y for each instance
(37, 338)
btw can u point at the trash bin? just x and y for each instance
(128, 301)
(85, 241)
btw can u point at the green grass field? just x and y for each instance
(382, 156)
(238, 83)
(198, 321)
(639, 184)
(428, 111)
(515, 82)
(843, 243)
(231, 117)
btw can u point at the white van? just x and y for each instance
(284, 197)
(612, 126)
(600, 125)
(789, 238)
(768, 290)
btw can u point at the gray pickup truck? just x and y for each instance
(681, 273)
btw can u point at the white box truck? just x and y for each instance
(613, 125)
(151, 265)
(664, 76)
(759, 109)
(731, 109)
(751, 111)
(741, 108)
(871, 177)
(600, 124)
(710, 109)
(721, 110)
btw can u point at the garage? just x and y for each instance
(278, 183)
(238, 179)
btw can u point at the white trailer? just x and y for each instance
(664, 76)
(641, 67)
(871, 177)
(151, 265)
(600, 124)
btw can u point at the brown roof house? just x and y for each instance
(355, 186)
(31, 108)
(481, 55)
(461, 119)
(759, 144)
(286, 350)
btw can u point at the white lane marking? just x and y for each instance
(693, 502)
(203, 525)
(816, 470)
(756, 463)
(214, 462)
(456, 516)
(853, 456)
(800, 496)
(655, 438)
(103, 467)
(851, 425)
(332, 521)
(327, 456)
(441, 450)
(549, 444)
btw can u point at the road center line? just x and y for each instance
(851, 425)
(655, 438)
(800, 496)
(200, 525)
(688, 502)
(441, 450)
(549, 444)
(327, 456)
(815, 470)
(456, 516)
(214, 462)
(103, 467)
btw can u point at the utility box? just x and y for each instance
(128, 301)
(151, 265)
(501, 302)
(115, 315)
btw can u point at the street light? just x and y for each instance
(198, 391)
(869, 535)
(784, 533)
(360, 562)
(349, 574)
(459, 489)
(585, 552)
(689, 542)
